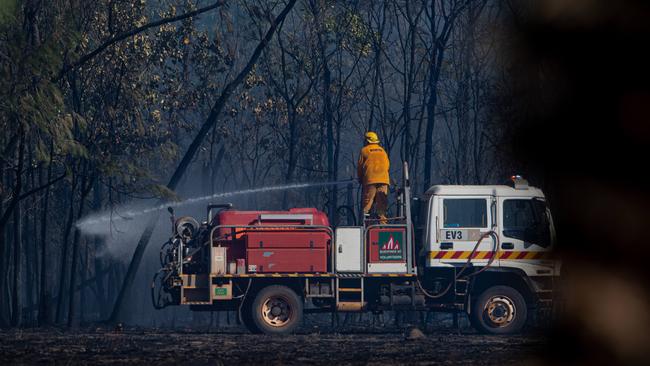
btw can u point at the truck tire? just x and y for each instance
(499, 310)
(247, 317)
(276, 310)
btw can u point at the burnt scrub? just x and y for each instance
(154, 346)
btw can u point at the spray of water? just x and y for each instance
(122, 226)
(129, 214)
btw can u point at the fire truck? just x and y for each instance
(483, 250)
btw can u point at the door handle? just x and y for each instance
(446, 245)
(340, 248)
(507, 246)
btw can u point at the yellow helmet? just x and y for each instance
(372, 137)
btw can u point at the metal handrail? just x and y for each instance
(388, 219)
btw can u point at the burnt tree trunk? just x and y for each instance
(101, 298)
(329, 121)
(64, 253)
(86, 186)
(30, 249)
(16, 311)
(44, 297)
(327, 112)
(16, 314)
(439, 39)
(4, 321)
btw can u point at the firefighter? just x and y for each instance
(372, 170)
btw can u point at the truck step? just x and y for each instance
(350, 305)
(342, 289)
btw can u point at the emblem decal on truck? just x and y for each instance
(390, 246)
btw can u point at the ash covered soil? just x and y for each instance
(351, 347)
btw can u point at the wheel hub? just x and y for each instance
(500, 311)
(276, 311)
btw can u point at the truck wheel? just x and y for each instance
(499, 310)
(276, 310)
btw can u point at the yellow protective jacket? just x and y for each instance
(373, 165)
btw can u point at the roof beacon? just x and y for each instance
(518, 182)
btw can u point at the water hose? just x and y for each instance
(156, 301)
(493, 256)
(243, 298)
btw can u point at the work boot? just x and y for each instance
(383, 220)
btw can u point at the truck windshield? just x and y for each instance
(527, 220)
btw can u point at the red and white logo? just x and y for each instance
(391, 244)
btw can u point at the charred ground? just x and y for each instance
(349, 347)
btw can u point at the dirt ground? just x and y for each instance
(353, 347)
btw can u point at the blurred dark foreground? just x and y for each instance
(581, 90)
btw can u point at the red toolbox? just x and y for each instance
(286, 260)
(256, 239)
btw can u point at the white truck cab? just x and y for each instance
(518, 218)
(496, 238)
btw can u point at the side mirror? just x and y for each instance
(170, 209)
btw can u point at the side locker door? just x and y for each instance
(462, 220)
(349, 249)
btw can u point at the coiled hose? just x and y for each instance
(157, 301)
(495, 247)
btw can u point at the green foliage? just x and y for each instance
(358, 34)
(132, 100)
(8, 10)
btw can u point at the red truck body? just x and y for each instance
(294, 241)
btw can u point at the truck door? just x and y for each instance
(526, 231)
(460, 222)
